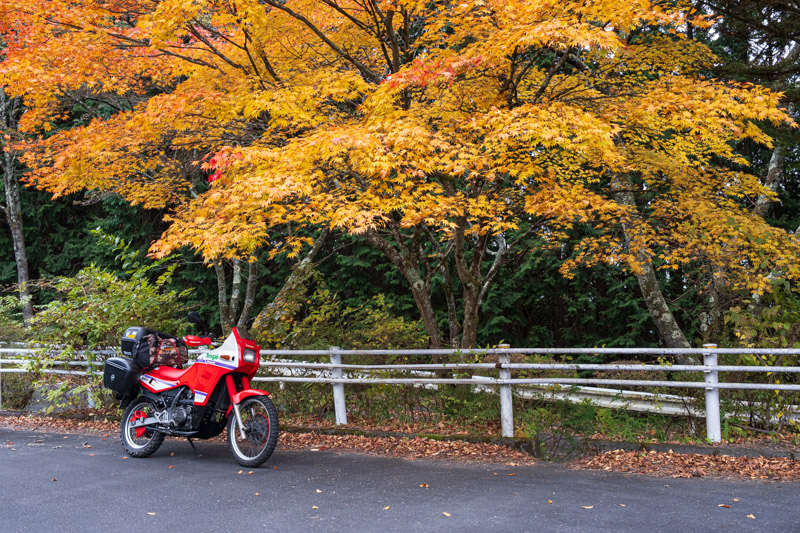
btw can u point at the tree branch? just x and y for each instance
(365, 71)
(556, 67)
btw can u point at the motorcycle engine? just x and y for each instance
(181, 414)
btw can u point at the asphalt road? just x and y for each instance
(51, 482)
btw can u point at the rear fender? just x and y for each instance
(243, 395)
(125, 401)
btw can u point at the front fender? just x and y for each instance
(244, 394)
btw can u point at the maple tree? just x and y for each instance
(446, 134)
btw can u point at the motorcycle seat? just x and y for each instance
(168, 372)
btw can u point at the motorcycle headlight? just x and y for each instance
(249, 355)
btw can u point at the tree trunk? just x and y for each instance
(711, 322)
(222, 297)
(250, 294)
(772, 179)
(450, 299)
(419, 288)
(469, 274)
(469, 335)
(10, 109)
(266, 321)
(229, 313)
(668, 328)
(236, 291)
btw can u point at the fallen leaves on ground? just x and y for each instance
(652, 463)
(61, 425)
(460, 427)
(408, 447)
(693, 465)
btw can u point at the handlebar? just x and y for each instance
(193, 341)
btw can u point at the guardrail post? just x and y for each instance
(338, 388)
(713, 426)
(506, 403)
(90, 377)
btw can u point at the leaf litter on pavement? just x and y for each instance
(406, 447)
(687, 465)
(678, 465)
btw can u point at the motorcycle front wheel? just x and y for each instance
(139, 441)
(260, 421)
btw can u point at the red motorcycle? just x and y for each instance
(161, 398)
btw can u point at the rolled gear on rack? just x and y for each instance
(149, 348)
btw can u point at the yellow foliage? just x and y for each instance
(474, 119)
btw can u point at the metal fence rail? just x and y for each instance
(425, 374)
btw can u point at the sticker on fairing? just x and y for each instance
(157, 384)
(224, 365)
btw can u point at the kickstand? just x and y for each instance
(193, 446)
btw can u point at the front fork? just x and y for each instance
(231, 391)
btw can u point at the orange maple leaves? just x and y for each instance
(494, 117)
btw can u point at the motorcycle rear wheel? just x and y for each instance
(139, 441)
(260, 420)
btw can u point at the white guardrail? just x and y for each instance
(429, 375)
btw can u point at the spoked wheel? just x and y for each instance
(260, 421)
(139, 441)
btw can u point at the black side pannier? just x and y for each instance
(149, 347)
(121, 375)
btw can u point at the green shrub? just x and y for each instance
(94, 307)
(322, 320)
(328, 322)
(17, 390)
(771, 321)
(12, 328)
